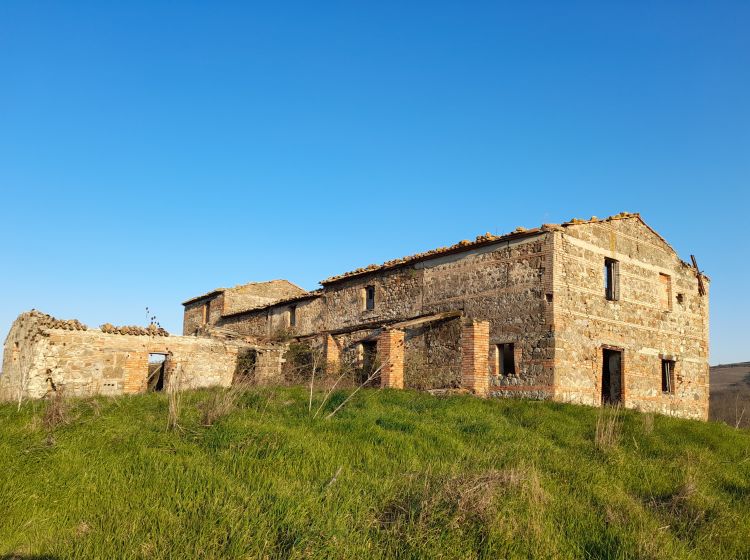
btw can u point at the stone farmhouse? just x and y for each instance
(588, 311)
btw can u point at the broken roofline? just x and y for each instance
(218, 291)
(480, 241)
(284, 301)
(204, 296)
(461, 246)
(489, 239)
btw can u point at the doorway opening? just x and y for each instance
(368, 358)
(244, 371)
(611, 376)
(156, 372)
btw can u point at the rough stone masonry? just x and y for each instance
(589, 311)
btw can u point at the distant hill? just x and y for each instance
(738, 364)
(730, 394)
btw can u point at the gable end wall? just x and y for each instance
(640, 323)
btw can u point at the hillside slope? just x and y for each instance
(393, 474)
(730, 394)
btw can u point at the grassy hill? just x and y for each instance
(394, 474)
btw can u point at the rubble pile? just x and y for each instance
(151, 330)
(50, 322)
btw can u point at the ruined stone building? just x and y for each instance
(589, 311)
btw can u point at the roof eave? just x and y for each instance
(204, 296)
(279, 302)
(448, 251)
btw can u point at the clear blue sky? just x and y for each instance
(151, 151)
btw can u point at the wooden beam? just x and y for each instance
(427, 319)
(701, 287)
(379, 325)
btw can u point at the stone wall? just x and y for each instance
(204, 311)
(257, 294)
(268, 364)
(273, 321)
(504, 283)
(433, 355)
(211, 308)
(507, 285)
(647, 323)
(542, 294)
(251, 323)
(349, 346)
(40, 355)
(398, 296)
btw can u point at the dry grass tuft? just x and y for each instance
(461, 499)
(82, 529)
(685, 508)
(221, 403)
(473, 496)
(607, 427)
(648, 422)
(96, 408)
(34, 424)
(58, 410)
(174, 399)
(148, 549)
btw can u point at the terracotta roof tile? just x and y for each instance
(481, 240)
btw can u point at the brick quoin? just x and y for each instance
(391, 356)
(475, 341)
(332, 354)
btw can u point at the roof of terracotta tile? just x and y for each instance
(620, 216)
(203, 296)
(280, 285)
(465, 245)
(300, 297)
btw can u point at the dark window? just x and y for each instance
(292, 315)
(370, 298)
(207, 312)
(667, 376)
(612, 279)
(506, 359)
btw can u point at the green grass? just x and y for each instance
(418, 477)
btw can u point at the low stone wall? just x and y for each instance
(43, 354)
(433, 355)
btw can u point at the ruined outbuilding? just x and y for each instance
(589, 311)
(44, 354)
